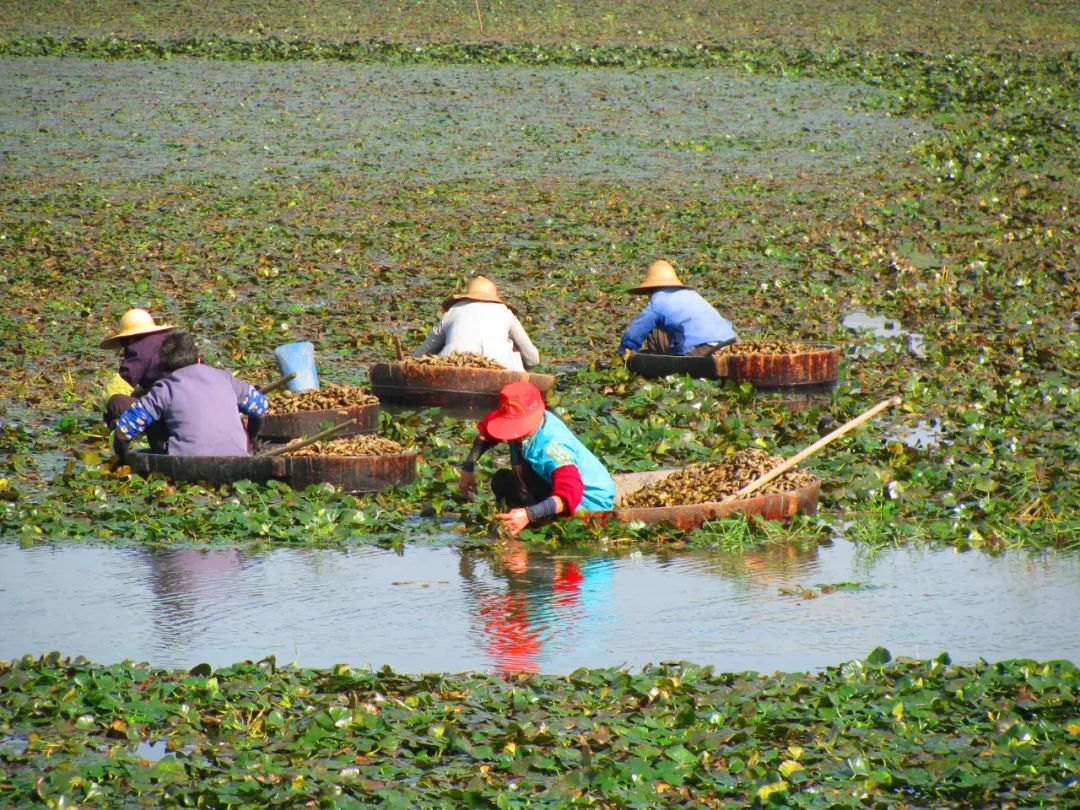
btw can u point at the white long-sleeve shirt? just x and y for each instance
(482, 327)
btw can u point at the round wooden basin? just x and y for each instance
(774, 506)
(283, 427)
(476, 388)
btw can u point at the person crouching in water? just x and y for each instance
(552, 473)
(200, 405)
(676, 320)
(479, 321)
(140, 367)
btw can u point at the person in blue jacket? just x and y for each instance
(676, 320)
(551, 472)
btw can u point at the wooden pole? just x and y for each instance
(299, 443)
(809, 451)
(266, 389)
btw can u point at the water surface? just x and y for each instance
(189, 118)
(449, 609)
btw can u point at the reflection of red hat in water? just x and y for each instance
(514, 644)
(567, 584)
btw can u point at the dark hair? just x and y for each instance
(178, 350)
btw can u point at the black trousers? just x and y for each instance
(658, 342)
(515, 489)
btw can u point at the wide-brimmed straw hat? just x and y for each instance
(520, 412)
(134, 322)
(660, 274)
(480, 288)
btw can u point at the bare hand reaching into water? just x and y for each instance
(514, 521)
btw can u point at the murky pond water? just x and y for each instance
(882, 327)
(193, 117)
(449, 609)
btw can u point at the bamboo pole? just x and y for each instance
(266, 389)
(809, 451)
(304, 442)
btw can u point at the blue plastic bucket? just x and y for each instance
(298, 357)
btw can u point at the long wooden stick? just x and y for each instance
(288, 448)
(809, 451)
(266, 389)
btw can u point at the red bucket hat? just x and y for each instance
(520, 412)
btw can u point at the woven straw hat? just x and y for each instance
(660, 274)
(134, 322)
(480, 288)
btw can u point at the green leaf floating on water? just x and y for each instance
(878, 656)
(924, 733)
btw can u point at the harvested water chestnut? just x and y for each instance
(454, 360)
(706, 483)
(321, 399)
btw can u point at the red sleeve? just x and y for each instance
(481, 427)
(566, 484)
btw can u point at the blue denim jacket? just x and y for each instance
(688, 319)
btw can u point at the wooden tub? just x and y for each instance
(447, 386)
(775, 506)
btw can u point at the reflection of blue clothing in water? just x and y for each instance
(598, 574)
(582, 601)
(553, 609)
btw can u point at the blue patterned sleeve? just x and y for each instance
(134, 421)
(146, 410)
(253, 402)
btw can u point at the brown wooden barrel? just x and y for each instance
(816, 367)
(212, 470)
(351, 473)
(450, 386)
(775, 506)
(283, 427)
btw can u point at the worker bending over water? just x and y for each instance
(551, 472)
(200, 405)
(479, 321)
(676, 320)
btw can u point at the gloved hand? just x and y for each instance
(254, 425)
(467, 485)
(122, 448)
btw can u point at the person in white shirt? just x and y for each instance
(479, 321)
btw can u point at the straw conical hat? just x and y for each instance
(134, 322)
(480, 288)
(660, 274)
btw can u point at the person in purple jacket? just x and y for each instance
(140, 367)
(200, 405)
(676, 320)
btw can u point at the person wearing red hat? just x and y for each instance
(552, 473)
(676, 320)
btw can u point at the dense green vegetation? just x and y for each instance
(870, 24)
(869, 733)
(960, 227)
(968, 239)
